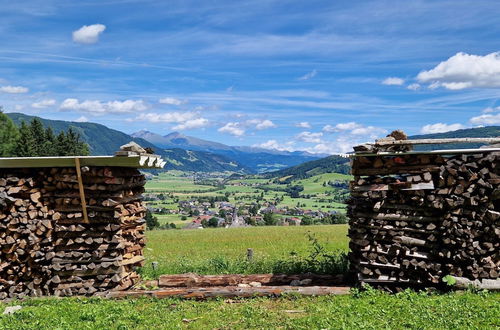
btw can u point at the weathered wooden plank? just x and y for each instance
(233, 291)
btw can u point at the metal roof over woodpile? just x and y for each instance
(389, 146)
(137, 161)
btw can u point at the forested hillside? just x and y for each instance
(478, 132)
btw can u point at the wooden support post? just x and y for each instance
(82, 191)
(249, 255)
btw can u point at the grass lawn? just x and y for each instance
(220, 250)
(369, 310)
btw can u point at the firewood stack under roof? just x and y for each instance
(420, 217)
(53, 241)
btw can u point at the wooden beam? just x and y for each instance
(438, 141)
(82, 190)
(233, 291)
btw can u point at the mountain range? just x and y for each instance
(188, 153)
(258, 159)
(180, 151)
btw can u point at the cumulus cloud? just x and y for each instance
(395, 81)
(192, 124)
(239, 128)
(354, 128)
(490, 116)
(370, 131)
(234, 129)
(82, 119)
(309, 137)
(303, 124)
(309, 75)
(168, 117)
(260, 124)
(88, 34)
(413, 87)
(172, 101)
(440, 128)
(464, 71)
(341, 127)
(274, 145)
(98, 108)
(44, 103)
(14, 89)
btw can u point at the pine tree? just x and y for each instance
(49, 144)
(8, 136)
(26, 142)
(60, 144)
(38, 134)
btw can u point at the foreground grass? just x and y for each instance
(223, 251)
(372, 310)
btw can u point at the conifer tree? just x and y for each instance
(8, 136)
(49, 143)
(26, 142)
(38, 134)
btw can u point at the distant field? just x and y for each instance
(172, 182)
(199, 250)
(179, 185)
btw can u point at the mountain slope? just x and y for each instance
(330, 164)
(479, 132)
(105, 141)
(258, 159)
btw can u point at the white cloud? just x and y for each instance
(98, 107)
(82, 119)
(172, 101)
(486, 119)
(464, 71)
(233, 129)
(88, 34)
(413, 87)
(274, 145)
(168, 117)
(341, 127)
(372, 131)
(309, 75)
(440, 128)
(44, 103)
(260, 124)
(309, 137)
(354, 128)
(14, 89)
(303, 124)
(490, 109)
(192, 124)
(393, 81)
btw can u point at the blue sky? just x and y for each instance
(292, 75)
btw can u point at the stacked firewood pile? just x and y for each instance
(416, 217)
(48, 246)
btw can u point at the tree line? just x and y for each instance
(34, 140)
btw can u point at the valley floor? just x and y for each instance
(369, 310)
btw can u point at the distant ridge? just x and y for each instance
(257, 159)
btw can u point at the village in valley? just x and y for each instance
(218, 201)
